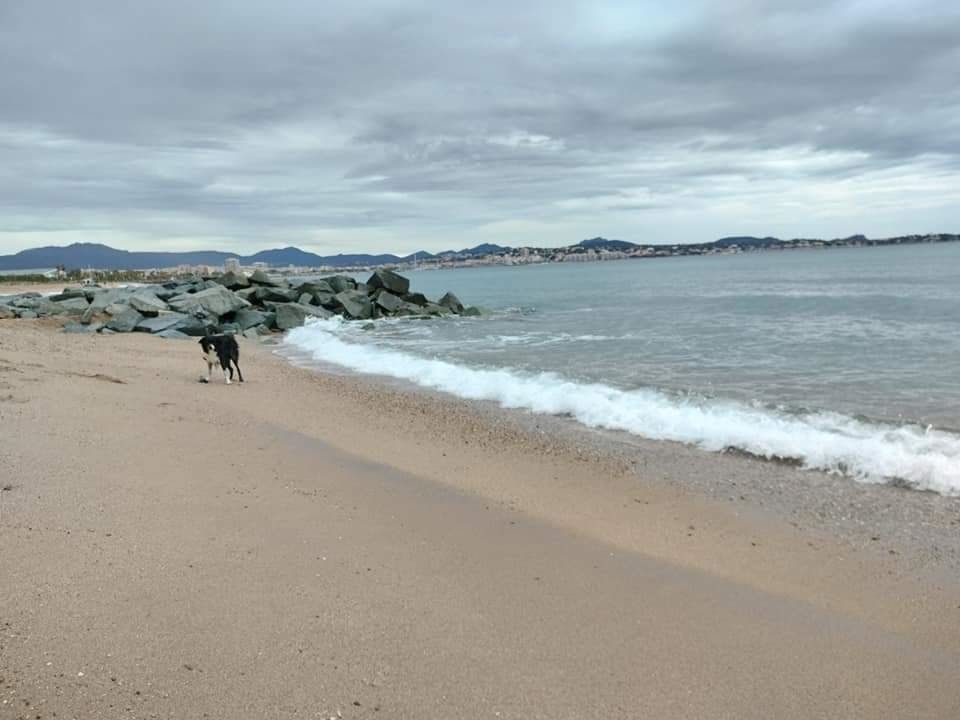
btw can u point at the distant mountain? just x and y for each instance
(283, 256)
(82, 255)
(484, 249)
(599, 243)
(744, 241)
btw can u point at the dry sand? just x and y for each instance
(311, 546)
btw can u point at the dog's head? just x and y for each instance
(210, 348)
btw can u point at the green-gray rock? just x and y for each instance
(319, 287)
(72, 306)
(291, 315)
(341, 283)
(259, 277)
(388, 301)
(416, 298)
(193, 326)
(451, 301)
(356, 305)
(215, 301)
(275, 294)
(248, 318)
(148, 304)
(389, 280)
(125, 322)
(160, 323)
(233, 280)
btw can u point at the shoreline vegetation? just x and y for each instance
(316, 545)
(103, 263)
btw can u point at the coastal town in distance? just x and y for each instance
(89, 259)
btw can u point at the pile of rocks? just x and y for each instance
(230, 303)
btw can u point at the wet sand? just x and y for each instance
(308, 545)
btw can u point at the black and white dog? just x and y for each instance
(224, 351)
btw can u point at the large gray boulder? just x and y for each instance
(71, 306)
(275, 294)
(291, 315)
(417, 299)
(194, 326)
(248, 294)
(389, 302)
(341, 283)
(436, 310)
(115, 308)
(165, 292)
(397, 284)
(124, 322)
(160, 323)
(6, 313)
(103, 298)
(67, 294)
(248, 318)
(319, 287)
(451, 301)
(148, 304)
(356, 305)
(259, 277)
(215, 301)
(233, 280)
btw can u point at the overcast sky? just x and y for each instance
(390, 125)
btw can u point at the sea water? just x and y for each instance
(844, 360)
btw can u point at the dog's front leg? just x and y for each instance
(209, 368)
(226, 378)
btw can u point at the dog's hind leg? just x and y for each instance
(239, 374)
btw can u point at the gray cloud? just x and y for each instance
(407, 125)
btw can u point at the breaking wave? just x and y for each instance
(919, 457)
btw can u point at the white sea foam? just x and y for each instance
(925, 458)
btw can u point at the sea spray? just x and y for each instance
(924, 458)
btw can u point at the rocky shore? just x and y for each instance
(230, 303)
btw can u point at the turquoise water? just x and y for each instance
(846, 359)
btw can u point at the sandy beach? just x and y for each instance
(315, 545)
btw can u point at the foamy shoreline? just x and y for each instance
(908, 455)
(872, 516)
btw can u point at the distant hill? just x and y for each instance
(82, 255)
(599, 243)
(745, 241)
(102, 257)
(484, 249)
